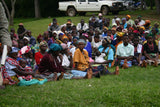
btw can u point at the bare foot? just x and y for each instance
(61, 76)
(89, 74)
(155, 63)
(2, 87)
(5, 82)
(55, 77)
(117, 70)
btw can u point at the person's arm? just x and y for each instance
(157, 56)
(147, 55)
(4, 34)
(129, 58)
(78, 26)
(139, 58)
(22, 73)
(85, 26)
(76, 65)
(71, 60)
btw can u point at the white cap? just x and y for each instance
(118, 19)
(26, 38)
(100, 14)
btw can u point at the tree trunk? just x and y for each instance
(10, 15)
(12, 12)
(157, 2)
(151, 4)
(7, 10)
(37, 9)
(142, 4)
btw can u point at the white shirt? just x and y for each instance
(125, 51)
(96, 45)
(141, 23)
(100, 59)
(72, 50)
(85, 26)
(65, 61)
(9, 68)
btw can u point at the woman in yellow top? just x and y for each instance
(81, 58)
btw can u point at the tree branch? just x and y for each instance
(7, 10)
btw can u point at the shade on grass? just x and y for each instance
(133, 87)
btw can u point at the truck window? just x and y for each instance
(81, 0)
(92, 0)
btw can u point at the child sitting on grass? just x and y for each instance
(99, 58)
(23, 64)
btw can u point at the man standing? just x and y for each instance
(5, 38)
(4, 34)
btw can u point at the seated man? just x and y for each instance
(82, 26)
(125, 51)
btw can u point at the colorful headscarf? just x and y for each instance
(113, 28)
(64, 46)
(142, 27)
(128, 16)
(82, 40)
(27, 38)
(24, 50)
(39, 36)
(64, 37)
(123, 18)
(107, 39)
(105, 28)
(85, 34)
(147, 22)
(120, 34)
(55, 47)
(43, 43)
(131, 28)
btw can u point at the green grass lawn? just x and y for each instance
(133, 87)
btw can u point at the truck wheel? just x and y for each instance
(71, 11)
(105, 10)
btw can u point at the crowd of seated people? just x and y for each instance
(82, 51)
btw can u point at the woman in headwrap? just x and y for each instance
(129, 20)
(39, 55)
(106, 48)
(27, 54)
(151, 50)
(39, 39)
(51, 64)
(13, 69)
(147, 25)
(67, 61)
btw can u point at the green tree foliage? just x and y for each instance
(25, 8)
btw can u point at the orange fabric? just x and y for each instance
(82, 59)
(118, 44)
(128, 16)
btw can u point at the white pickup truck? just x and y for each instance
(72, 7)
